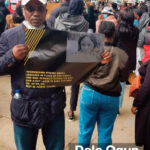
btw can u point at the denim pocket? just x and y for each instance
(86, 96)
(20, 110)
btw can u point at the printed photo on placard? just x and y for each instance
(84, 48)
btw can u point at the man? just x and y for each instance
(38, 108)
(57, 11)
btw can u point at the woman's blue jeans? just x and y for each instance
(96, 108)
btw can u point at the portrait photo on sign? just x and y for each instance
(84, 47)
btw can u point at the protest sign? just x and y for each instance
(60, 58)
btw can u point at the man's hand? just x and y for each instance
(20, 51)
(134, 110)
(106, 57)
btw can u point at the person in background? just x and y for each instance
(3, 12)
(100, 89)
(144, 22)
(91, 18)
(123, 6)
(2, 23)
(143, 7)
(56, 12)
(130, 4)
(96, 9)
(11, 7)
(107, 15)
(73, 20)
(126, 38)
(135, 5)
(115, 10)
(141, 108)
(3, 8)
(6, 3)
(18, 16)
(137, 15)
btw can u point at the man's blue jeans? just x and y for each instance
(96, 108)
(53, 135)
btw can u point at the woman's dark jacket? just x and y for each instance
(142, 101)
(106, 78)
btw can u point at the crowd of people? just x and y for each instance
(127, 32)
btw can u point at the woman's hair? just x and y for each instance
(125, 29)
(107, 28)
(126, 16)
(76, 7)
(92, 38)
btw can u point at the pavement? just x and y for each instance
(123, 128)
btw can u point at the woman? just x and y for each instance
(99, 99)
(141, 107)
(126, 38)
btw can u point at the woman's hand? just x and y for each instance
(106, 57)
(134, 110)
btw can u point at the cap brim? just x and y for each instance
(106, 12)
(24, 2)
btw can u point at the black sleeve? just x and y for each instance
(144, 90)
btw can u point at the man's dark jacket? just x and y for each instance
(38, 106)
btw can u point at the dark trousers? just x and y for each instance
(53, 135)
(74, 96)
